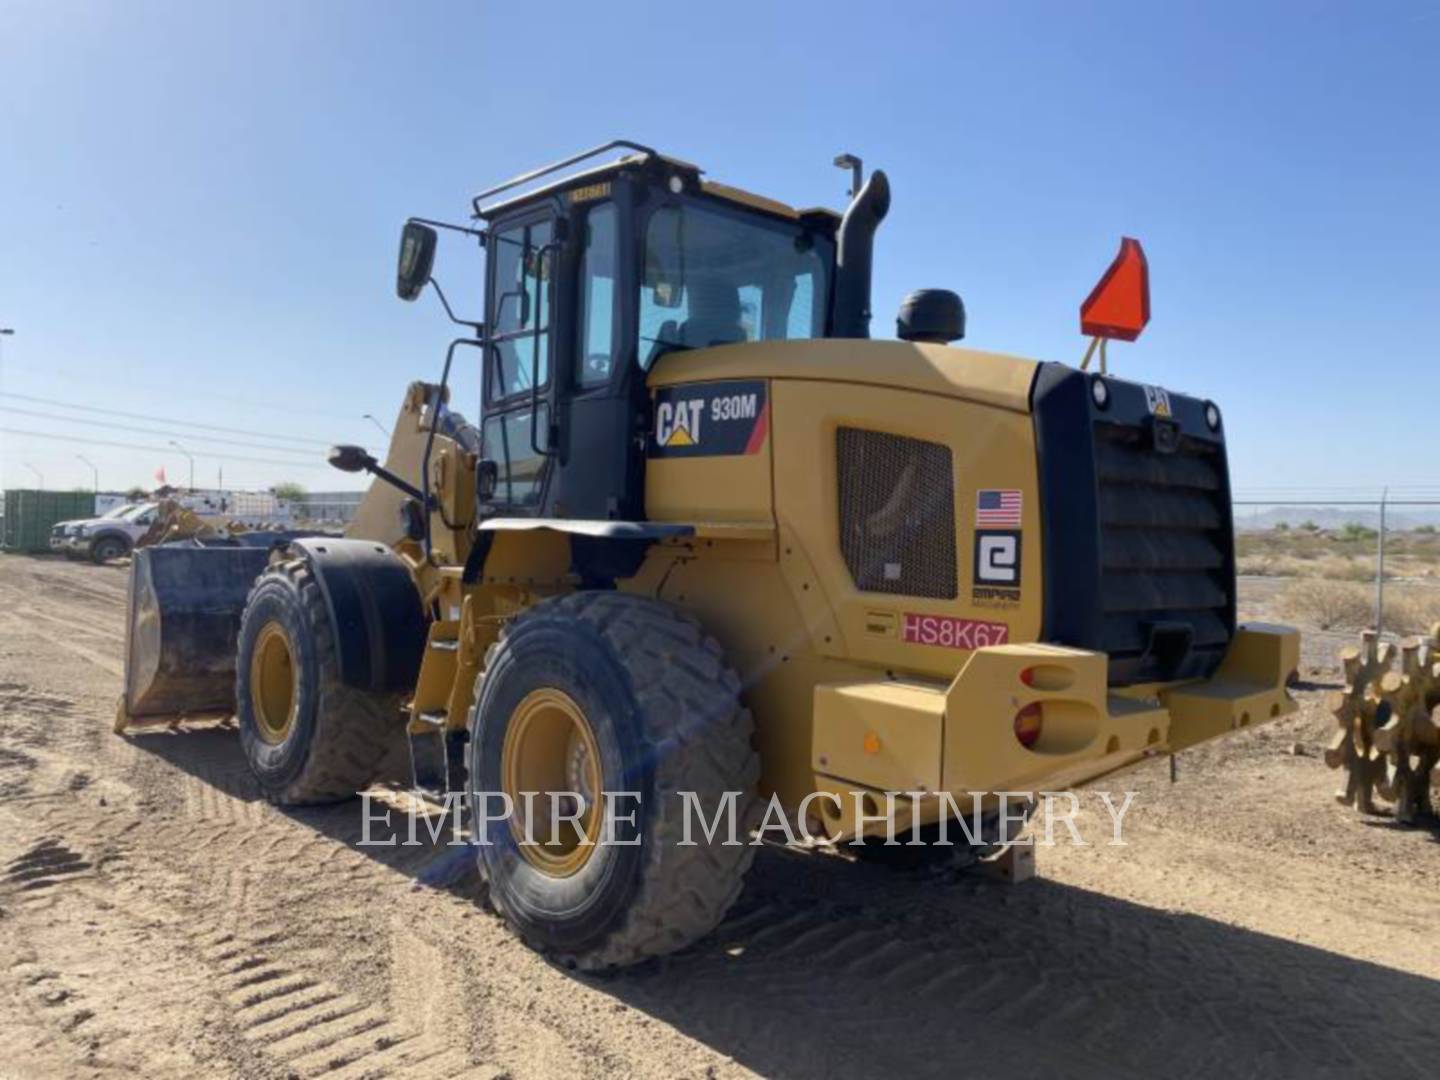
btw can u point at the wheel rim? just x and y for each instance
(550, 748)
(272, 684)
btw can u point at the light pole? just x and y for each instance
(383, 429)
(191, 458)
(94, 472)
(38, 474)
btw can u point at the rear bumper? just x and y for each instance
(891, 736)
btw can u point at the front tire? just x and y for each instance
(308, 737)
(628, 695)
(107, 548)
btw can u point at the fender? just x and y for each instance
(380, 626)
(118, 534)
(601, 551)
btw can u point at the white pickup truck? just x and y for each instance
(107, 537)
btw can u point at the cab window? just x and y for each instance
(505, 439)
(519, 311)
(596, 317)
(716, 278)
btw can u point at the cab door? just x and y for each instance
(519, 361)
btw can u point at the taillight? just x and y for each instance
(1028, 723)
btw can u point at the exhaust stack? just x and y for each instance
(855, 247)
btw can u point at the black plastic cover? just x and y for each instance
(932, 315)
(1136, 526)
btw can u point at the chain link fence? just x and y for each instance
(1342, 564)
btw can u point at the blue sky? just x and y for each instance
(199, 203)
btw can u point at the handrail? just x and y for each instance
(545, 170)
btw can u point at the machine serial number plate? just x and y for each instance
(951, 633)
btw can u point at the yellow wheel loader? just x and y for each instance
(711, 550)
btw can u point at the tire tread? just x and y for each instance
(700, 735)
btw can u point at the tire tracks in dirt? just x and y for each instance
(161, 918)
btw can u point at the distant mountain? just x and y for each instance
(1252, 518)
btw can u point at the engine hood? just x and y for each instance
(982, 377)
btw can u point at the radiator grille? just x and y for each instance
(1165, 555)
(897, 513)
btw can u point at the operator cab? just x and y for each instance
(594, 277)
(591, 280)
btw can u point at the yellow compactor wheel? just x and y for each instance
(1354, 708)
(1409, 739)
(1389, 739)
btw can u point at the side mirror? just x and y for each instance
(417, 257)
(350, 458)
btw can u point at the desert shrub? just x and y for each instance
(1341, 568)
(1330, 605)
(1353, 531)
(1411, 611)
(1350, 605)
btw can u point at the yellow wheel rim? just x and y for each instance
(550, 750)
(272, 684)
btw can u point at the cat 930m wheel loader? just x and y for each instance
(710, 550)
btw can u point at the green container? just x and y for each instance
(31, 514)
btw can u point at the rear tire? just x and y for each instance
(662, 713)
(308, 737)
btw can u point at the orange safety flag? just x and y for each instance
(1119, 305)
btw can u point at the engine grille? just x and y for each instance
(1166, 555)
(897, 513)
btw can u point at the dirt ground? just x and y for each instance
(157, 918)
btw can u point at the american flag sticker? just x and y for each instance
(997, 508)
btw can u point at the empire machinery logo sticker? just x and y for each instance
(722, 419)
(996, 573)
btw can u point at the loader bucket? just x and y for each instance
(182, 623)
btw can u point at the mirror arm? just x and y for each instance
(478, 327)
(380, 472)
(476, 233)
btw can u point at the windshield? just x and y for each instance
(121, 511)
(714, 278)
